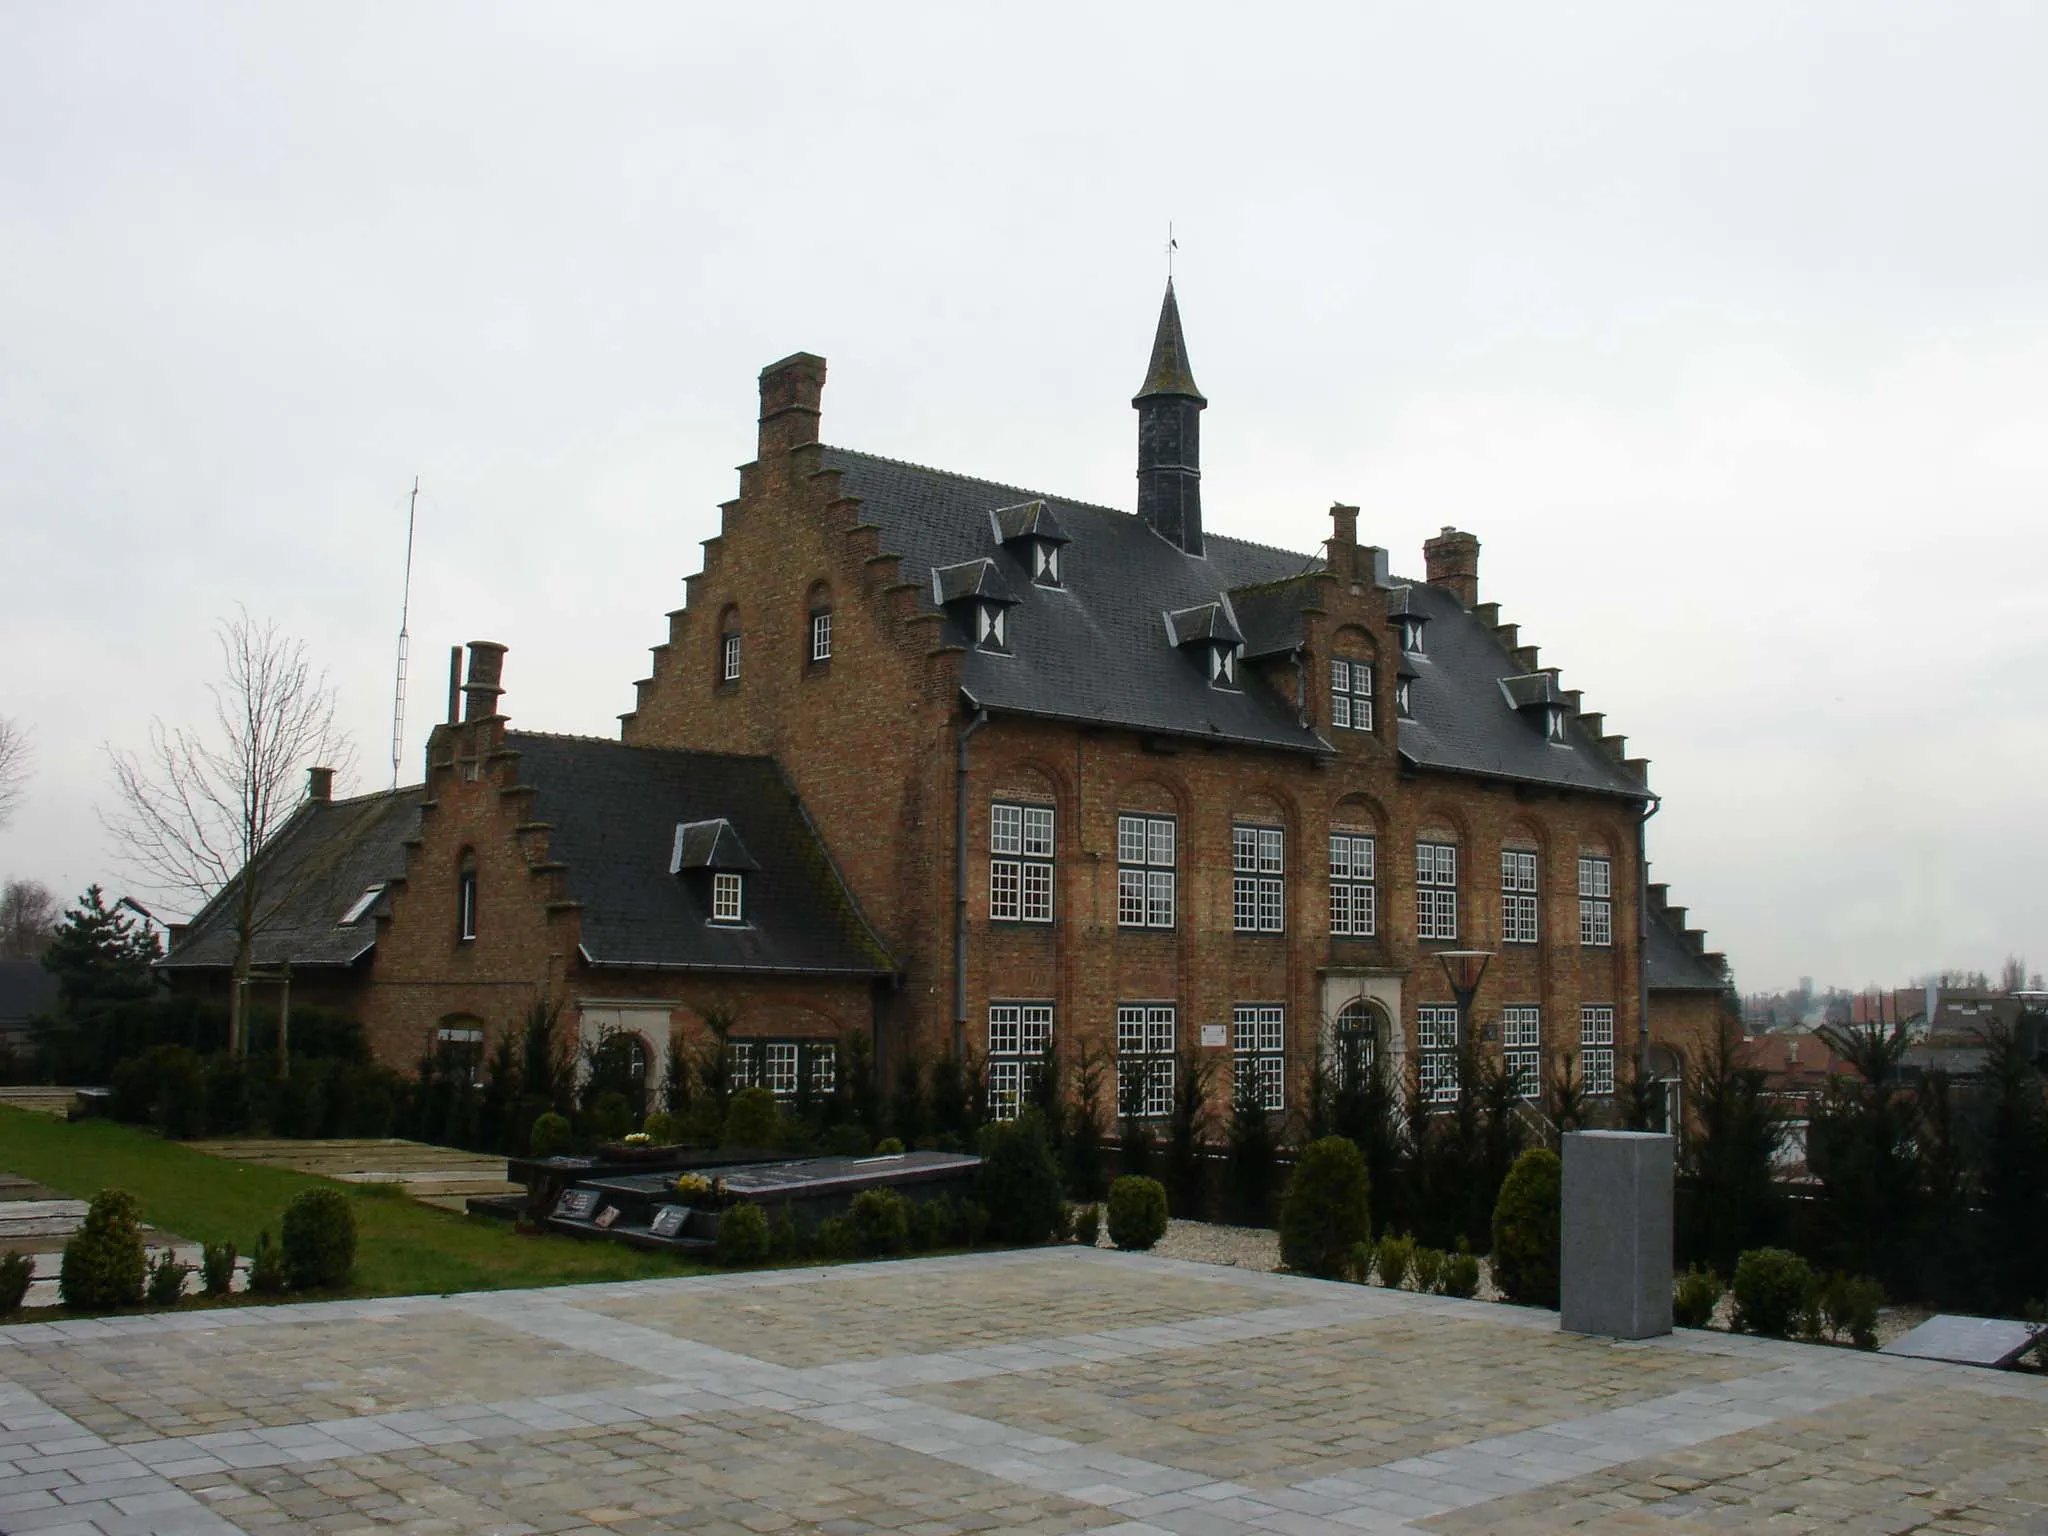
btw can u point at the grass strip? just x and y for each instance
(403, 1248)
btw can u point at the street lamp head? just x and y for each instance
(1464, 969)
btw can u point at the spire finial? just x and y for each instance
(1172, 245)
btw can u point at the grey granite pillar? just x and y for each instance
(1615, 1245)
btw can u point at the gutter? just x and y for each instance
(960, 740)
(1651, 806)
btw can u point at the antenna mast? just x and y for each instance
(404, 640)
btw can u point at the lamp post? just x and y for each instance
(1464, 969)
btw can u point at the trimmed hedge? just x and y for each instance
(880, 1220)
(1772, 1288)
(319, 1232)
(1019, 1182)
(1137, 1212)
(549, 1136)
(1525, 1229)
(1327, 1208)
(743, 1237)
(103, 1264)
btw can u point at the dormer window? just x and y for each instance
(1404, 697)
(726, 893)
(1411, 633)
(1553, 723)
(1223, 666)
(1537, 697)
(1209, 629)
(989, 627)
(1030, 529)
(976, 596)
(360, 907)
(1407, 619)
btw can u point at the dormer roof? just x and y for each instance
(1534, 690)
(709, 844)
(976, 579)
(1028, 520)
(1205, 622)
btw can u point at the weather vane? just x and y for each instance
(1172, 245)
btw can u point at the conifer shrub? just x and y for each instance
(1018, 1181)
(550, 1135)
(786, 1238)
(103, 1263)
(1461, 1272)
(1429, 1269)
(752, 1119)
(167, 1278)
(1088, 1225)
(1137, 1212)
(973, 1223)
(1326, 1209)
(1694, 1297)
(319, 1232)
(1771, 1289)
(847, 1140)
(217, 1269)
(1391, 1259)
(881, 1224)
(16, 1271)
(663, 1129)
(611, 1115)
(1849, 1308)
(1362, 1262)
(266, 1267)
(888, 1146)
(1525, 1229)
(933, 1222)
(834, 1238)
(743, 1237)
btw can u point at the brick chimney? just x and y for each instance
(1343, 524)
(1452, 560)
(480, 692)
(790, 394)
(320, 785)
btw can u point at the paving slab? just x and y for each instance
(1988, 1341)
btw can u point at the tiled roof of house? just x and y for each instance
(315, 870)
(614, 810)
(1095, 648)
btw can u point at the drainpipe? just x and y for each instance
(1651, 807)
(960, 740)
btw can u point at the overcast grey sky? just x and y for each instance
(1725, 327)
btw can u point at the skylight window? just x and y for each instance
(360, 907)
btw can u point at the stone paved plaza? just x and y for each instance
(1058, 1390)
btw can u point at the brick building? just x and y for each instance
(1098, 777)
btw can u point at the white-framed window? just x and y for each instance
(1436, 1047)
(1259, 1041)
(1403, 697)
(1223, 666)
(778, 1073)
(1596, 902)
(726, 889)
(1045, 562)
(1354, 895)
(729, 657)
(1436, 891)
(1357, 1041)
(360, 907)
(465, 900)
(1146, 855)
(1020, 839)
(1351, 695)
(1019, 1035)
(990, 627)
(1411, 633)
(1596, 1048)
(1144, 1059)
(1517, 897)
(822, 1065)
(462, 1053)
(821, 634)
(1257, 903)
(1521, 1033)
(781, 1065)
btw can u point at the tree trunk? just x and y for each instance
(284, 1026)
(238, 1003)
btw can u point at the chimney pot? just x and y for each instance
(791, 395)
(1343, 524)
(1452, 561)
(480, 692)
(320, 785)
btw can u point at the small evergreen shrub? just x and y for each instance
(1525, 1229)
(1088, 1225)
(1461, 1272)
(932, 1222)
(266, 1267)
(663, 1129)
(743, 1236)
(786, 1239)
(16, 1271)
(1137, 1212)
(752, 1119)
(881, 1224)
(834, 1238)
(549, 1137)
(1695, 1296)
(888, 1146)
(103, 1264)
(1771, 1288)
(974, 1223)
(319, 1231)
(1326, 1208)
(217, 1269)
(1018, 1181)
(167, 1278)
(611, 1115)
(1392, 1258)
(1361, 1262)
(1849, 1308)
(1428, 1268)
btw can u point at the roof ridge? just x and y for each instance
(640, 746)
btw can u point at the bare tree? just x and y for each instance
(198, 807)
(2013, 978)
(28, 918)
(14, 764)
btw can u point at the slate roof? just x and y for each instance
(317, 867)
(1095, 649)
(26, 989)
(615, 810)
(1670, 963)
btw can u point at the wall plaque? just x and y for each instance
(668, 1221)
(1215, 1036)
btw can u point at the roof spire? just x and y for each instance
(1169, 373)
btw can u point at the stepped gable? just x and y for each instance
(314, 872)
(612, 813)
(1675, 957)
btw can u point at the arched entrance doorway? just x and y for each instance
(1362, 1026)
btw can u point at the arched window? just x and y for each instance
(1436, 884)
(1358, 1041)
(465, 897)
(618, 1064)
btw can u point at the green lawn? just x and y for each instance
(403, 1248)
